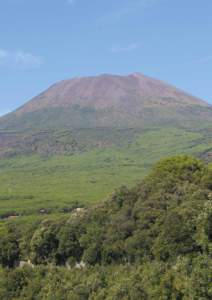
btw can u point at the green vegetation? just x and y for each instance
(152, 241)
(65, 234)
(57, 183)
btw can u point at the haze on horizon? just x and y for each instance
(53, 40)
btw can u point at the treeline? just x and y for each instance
(150, 242)
(187, 278)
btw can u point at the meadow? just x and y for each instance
(52, 184)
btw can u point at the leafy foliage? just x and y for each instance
(152, 241)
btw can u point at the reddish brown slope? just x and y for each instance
(130, 93)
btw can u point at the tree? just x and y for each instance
(9, 250)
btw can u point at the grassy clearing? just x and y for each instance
(30, 183)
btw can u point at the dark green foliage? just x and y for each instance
(9, 248)
(150, 242)
(185, 279)
(69, 245)
(44, 245)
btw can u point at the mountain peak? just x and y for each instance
(108, 100)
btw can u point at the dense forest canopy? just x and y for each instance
(153, 241)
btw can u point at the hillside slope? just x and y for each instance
(109, 101)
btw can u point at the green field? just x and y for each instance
(31, 183)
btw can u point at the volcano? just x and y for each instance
(108, 101)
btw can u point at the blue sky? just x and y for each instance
(43, 41)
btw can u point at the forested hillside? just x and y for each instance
(152, 241)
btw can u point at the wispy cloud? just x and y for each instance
(201, 60)
(128, 7)
(19, 59)
(127, 48)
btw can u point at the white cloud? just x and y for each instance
(127, 48)
(19, 59)
(27, 59)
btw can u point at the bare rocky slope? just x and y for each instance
(128, 93)
(108, 101)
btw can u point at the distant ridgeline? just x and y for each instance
(153, 241)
